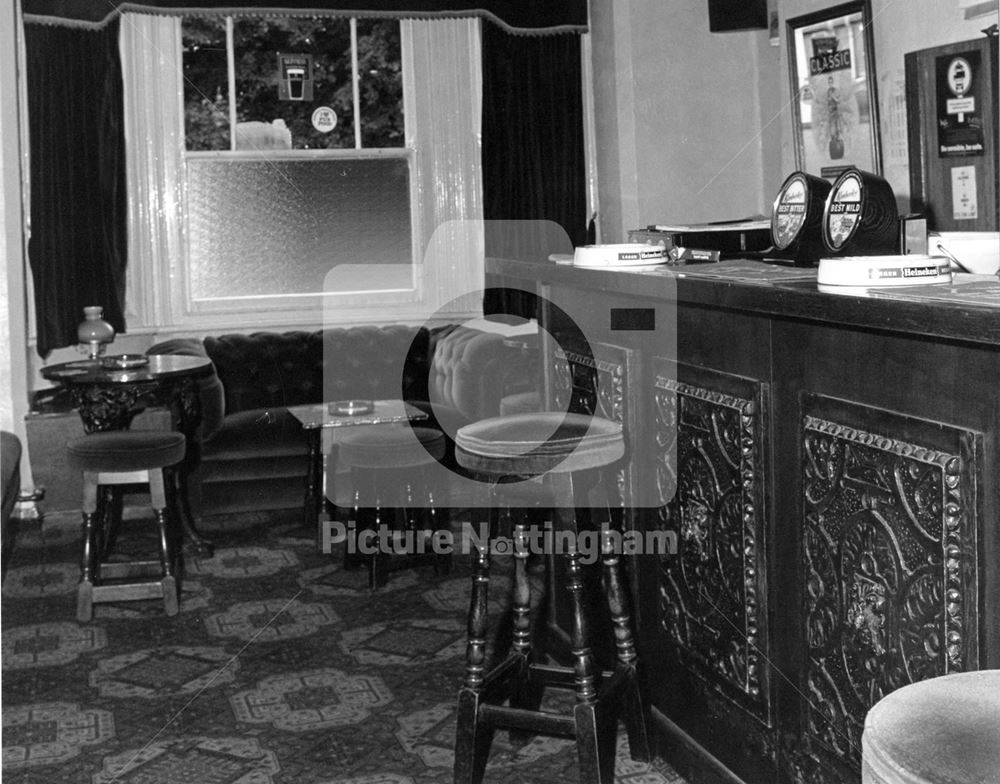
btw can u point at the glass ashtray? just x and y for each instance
(352, 407)
(124, 361)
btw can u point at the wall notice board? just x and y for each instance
(951, 106)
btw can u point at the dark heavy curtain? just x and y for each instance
(77, 248)
(532, 139)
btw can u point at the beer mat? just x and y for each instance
(744, 270)
(977, 290)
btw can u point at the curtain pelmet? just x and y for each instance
(538, 18)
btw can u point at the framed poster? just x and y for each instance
(835, 108)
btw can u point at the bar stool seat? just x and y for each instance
(566, 451)
(126, 457)
(943, 730)
(387, 465)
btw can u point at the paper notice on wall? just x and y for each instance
(963, 193)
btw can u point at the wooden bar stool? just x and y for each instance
(567, 451)
(115, 458)
(388, 465)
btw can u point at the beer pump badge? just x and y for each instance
(790, 212)
(844, 211)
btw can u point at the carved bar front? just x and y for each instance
(830, 469)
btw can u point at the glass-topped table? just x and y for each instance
(348, 413)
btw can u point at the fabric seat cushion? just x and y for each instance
(531, 444)
(126, 450)
(944, 730)
(391, 446)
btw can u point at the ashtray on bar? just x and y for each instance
(124, 361)
(352, 407)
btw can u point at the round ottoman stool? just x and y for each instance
(944, 730)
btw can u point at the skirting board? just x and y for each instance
(688, 757)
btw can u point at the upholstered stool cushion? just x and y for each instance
(944, 730)
(535, 443)
(126, 450)
(520, 403)
(391, 446)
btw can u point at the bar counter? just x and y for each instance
(830, 466)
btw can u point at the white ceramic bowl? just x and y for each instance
(978, 251)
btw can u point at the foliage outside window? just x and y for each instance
(256, 44)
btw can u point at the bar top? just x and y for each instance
(966, 310)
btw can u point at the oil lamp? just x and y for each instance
(94, 332)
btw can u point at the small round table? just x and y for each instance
(106, 392)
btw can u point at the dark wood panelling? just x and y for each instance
(889, 564)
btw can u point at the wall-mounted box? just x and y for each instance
(731, 15)
(951, 107)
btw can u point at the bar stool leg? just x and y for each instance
(632, 711)
(596, 721)
(158, 496)
(472, 744)
(525, 691)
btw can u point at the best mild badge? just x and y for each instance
(324, 119)
(843, 211)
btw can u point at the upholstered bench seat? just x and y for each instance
(255, 455)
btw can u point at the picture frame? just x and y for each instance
(831, 59)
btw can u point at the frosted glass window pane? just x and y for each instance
(277, 227)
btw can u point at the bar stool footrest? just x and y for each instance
(543, 722)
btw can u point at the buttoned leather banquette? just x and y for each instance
(254, 456)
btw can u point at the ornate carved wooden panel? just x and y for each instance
(597, 384)
(712, 592)
(889, 559)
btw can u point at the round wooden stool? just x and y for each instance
(566, 451)
(125, 457)
(387, 471)
(944, 730)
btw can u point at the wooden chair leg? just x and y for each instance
(164, 522)
(88, 569)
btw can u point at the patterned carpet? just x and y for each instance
(280, 667)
